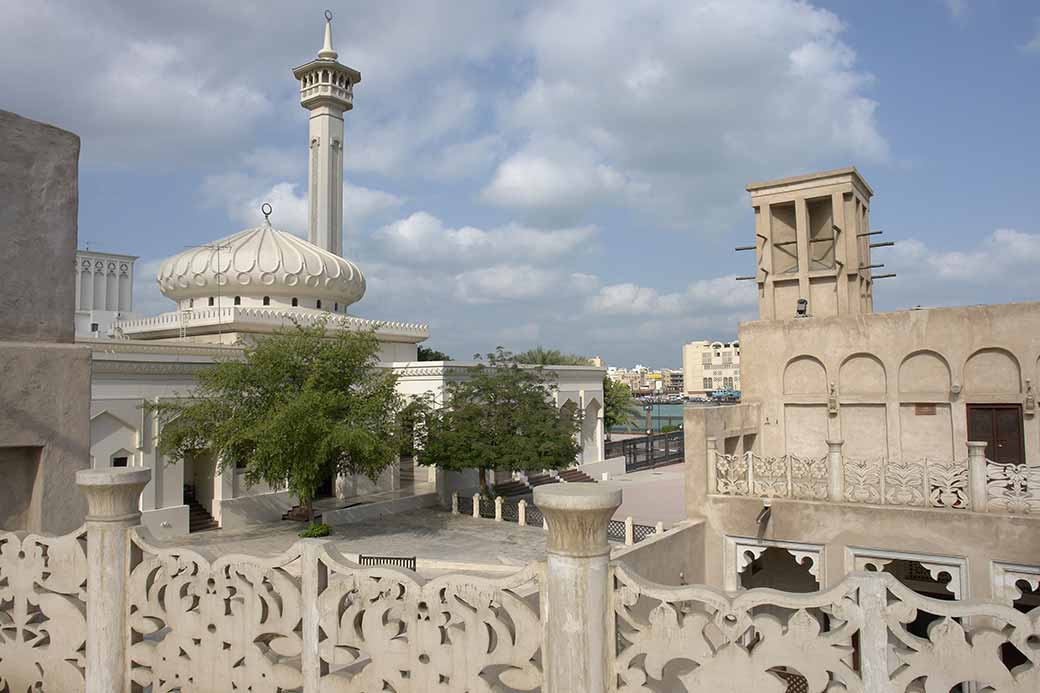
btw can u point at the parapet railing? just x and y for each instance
(524, 513)
(976, 484)
(647, 452)
(106, 608)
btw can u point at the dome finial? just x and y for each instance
(266, 209)
(326, 52)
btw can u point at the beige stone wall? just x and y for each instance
(881, 365)
(44, 380)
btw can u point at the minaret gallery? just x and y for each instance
(326, 91)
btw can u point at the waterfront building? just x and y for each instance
(710, 366)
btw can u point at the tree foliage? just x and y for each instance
(617, 404)
(428, 354)
(550, 357)
(501, 416)
(302, 406)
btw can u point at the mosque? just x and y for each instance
(235, 290)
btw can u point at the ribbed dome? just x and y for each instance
(261, 261)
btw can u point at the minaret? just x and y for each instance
(326, 90)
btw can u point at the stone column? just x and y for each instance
(836, 467)
(113, 507)
(577, 647)
(977, 475)
(711, 462)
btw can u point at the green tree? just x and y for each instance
(617, 404)
(428, 354)
(502, 416)
(302, 406)
(550, 357)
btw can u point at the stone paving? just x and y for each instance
(431, 534)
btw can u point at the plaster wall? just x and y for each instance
(44, 379)
(979, 539)
(881, 366)
(672, 558)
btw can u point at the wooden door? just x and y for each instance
(1000, 427)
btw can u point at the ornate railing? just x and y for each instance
(166, 618)
(870, 633)
(522, 512)
(43, 598)
(977, 483)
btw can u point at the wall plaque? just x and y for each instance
(924, 410)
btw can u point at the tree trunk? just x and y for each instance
(308, 508)
(484, 490)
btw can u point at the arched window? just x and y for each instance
(267, 300)
(318, 304)
(238, 300)
(295, 302)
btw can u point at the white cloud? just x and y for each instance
(1000, 268)
(718, 295)
(534, 181)
(1033, 44)
(720, 95)
(957, 8)
(422, 239)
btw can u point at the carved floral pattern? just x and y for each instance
(387, 629)
(863, 480)
(230, 625)
(704, 640)
(1012, 488)
(731, 474)
(810, 477)
(769, 476)
(947, 484)
(42, 612)
(959, 649)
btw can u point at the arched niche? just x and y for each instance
(862, 374)
(992, 372)
(924, 371)
(805, 375)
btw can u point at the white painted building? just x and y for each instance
(710, 366)
(104, 291)
(239, 288)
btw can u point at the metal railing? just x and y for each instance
(524, 512)
(647, 452)
(395, 561)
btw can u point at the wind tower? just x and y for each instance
(326, 90)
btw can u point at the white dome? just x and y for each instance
(261, 261)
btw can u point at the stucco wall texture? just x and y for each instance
(44, 378)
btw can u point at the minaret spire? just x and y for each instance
(326, 52)
(327, 91)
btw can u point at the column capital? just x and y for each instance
(577, 516)
(113, 494)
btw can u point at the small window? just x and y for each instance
(238, 300)
(191, 302)
(119, 461)
(318, 304)
(295, 302)
(211, 300)
(335, 306)
(94, 327)
(267, 300)
(707, 383)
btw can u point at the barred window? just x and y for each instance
(707, 383)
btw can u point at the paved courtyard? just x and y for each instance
(426, 534)
(652, 495)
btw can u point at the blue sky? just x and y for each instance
(567, 174)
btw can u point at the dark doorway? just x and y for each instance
(1000, 427)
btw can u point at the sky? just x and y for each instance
(568, 174)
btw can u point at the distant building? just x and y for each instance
(710, 366)
(104, 291)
